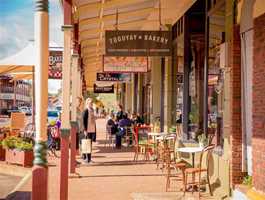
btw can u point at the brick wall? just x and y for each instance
(236, 130)
(258, 140)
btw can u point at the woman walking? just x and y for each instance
(89, 123)
(79, 118)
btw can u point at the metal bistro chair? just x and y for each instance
(128, 137)
(199, 170)
(164, 145)
(175, 166)
(110, 138)
(141, 145)
(160, 151)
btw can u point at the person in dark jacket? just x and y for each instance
(123, 123)
(89, 123)
(120, 113)
(112, 125)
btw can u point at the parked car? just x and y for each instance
(3, 111)
(53, 116)
(59, 108)
(25, 109)
(13, 109)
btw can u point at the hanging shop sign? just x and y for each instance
(125, 64)
(55, 64)
(113, 77)
(138, 43)
(103, 89)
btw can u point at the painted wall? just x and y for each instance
(168, 95)
(258, 139)
(155, 87)
(128, 98)
(259, 7)
(246, 32)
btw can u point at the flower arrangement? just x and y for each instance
(172, 129)
(17, 143)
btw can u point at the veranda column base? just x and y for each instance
(74, 129)
(40, 172)
(65, 133)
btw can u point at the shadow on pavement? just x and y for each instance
(114, 150)
(19, 195)
(121, 175)
(118, 163)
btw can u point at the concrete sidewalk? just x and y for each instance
(112, 176)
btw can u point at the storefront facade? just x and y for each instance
(14, 93)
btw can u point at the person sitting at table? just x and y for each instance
(111, 124)
(122, 124)
(120, 113)
(137, 120)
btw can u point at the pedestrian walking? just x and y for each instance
(89, 123)
(79, 119)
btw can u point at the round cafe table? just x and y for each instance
(156, 134)
(191, 150)
(156, 137)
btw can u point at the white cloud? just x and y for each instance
(17, 28)
(56, 22)
(54, 86)
(15, 32)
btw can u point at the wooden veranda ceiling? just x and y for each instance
(96, 16)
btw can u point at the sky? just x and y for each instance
(17, 28)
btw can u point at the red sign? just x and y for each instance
(55, 64)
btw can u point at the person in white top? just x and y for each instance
(89, 124)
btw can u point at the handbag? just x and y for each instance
(86, 146)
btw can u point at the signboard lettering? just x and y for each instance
(103, 89)
(125, 64)
(114, 77)
(55, 64)
(138, 43)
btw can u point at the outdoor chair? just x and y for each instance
(141, 145)
(194, 171)
(128, 137)
(172, 168)
(110, 138)
(164, 144)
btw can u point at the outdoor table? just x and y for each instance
(154, 134)
(191, 150)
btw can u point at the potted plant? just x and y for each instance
(172, 129)
(2, 152)
(18, 151)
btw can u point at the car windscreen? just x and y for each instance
(52, 114)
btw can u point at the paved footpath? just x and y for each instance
(112, 176)
(7, 184)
